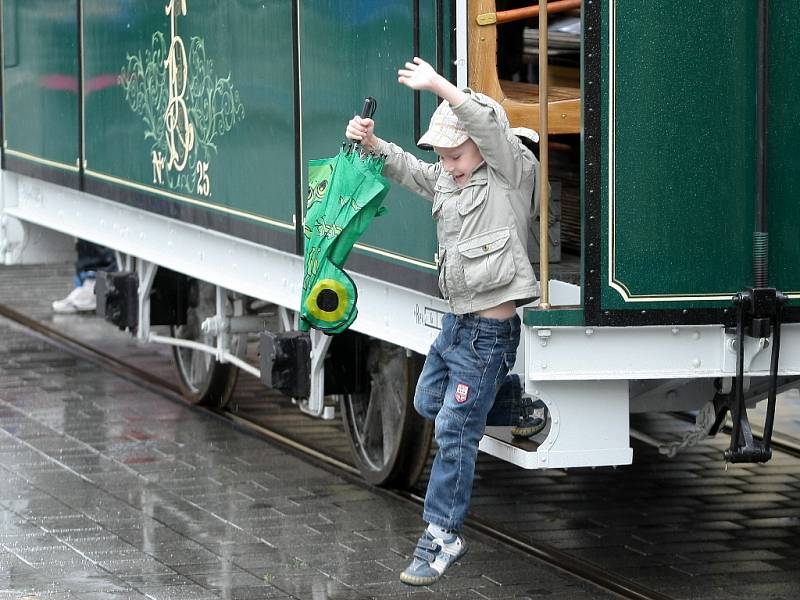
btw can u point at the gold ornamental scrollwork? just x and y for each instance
(184, 106)
(180, 132)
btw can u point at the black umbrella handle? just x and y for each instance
(370, 104)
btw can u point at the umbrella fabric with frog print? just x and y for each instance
(345, 193)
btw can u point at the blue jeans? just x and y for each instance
(92, 258)
(465, 370)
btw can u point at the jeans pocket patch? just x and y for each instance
(462, 393)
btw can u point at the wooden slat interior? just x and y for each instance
(521, 100)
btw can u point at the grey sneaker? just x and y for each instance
(532, 418)
(432, 557)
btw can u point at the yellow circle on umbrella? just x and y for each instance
(312, 301)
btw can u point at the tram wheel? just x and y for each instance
(390, 441)
(204, 380)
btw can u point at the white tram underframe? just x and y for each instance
(591, 379)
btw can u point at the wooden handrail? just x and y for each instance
(517, 14)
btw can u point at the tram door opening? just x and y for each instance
(515, 80)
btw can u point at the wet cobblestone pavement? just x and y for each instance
(108, 491)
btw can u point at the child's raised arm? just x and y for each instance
(485, 125)
(420, 75)
(400, 166)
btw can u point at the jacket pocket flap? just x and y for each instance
(472, 199)
(485, 243)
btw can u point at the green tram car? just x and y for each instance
(177, 132)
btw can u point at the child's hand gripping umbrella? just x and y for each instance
(345, 194)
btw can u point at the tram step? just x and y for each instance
(588, 426)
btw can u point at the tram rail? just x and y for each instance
(563, 561)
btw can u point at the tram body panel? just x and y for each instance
(40, 86)
(783, 186)
(209, 116)
(196, 95)
(349, 50)
(119, 149)
(679, 159)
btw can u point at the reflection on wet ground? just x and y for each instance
(109, 491)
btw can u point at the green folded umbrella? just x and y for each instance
(345, 194)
